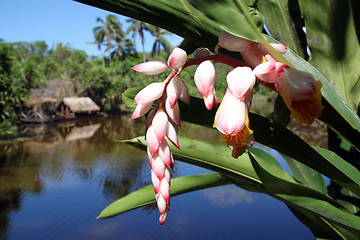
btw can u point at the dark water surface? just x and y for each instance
(54, 187)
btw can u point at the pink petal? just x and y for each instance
(177, 58)
(160, 124)
(240, 81)
(165, 190)
(151, 140)
(155, 181)
(184, 96)
(298, 85)
(167, 175)
(279, 47)
(205, 78)
(161, 203)
(231, 42)
(173, 90)
(150, 93)
(209, 101)
(172, 136)
(163, 217)
(141, 109)
(165, 153)
(230, 116)
(158, 167)
(173, 113)
(151, 67)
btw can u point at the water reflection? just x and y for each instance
(55, 184)
(228, 196)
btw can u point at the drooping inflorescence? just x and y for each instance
(300, 91)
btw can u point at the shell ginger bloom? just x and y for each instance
(299, 89)
(231, 118)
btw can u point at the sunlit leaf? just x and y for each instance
(227, 12)
(300, 196)
(334, 45)
(325, 210)
(278, 181)
(145, 195)
(321, 228)
(280, 23)
(306, 175)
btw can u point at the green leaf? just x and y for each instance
(325, 210)
(277, 181)
(320, 227)
(280, 23)
(211, 156)
(145, 195)
(227, 12)
(129, 95)
(298, 195)
(334, 45)
(306, 175)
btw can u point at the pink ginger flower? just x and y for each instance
(299, 89)
(160, 158)
(159, 125)
(231, 118)
(205, 82)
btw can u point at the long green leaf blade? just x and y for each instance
(145, 195)
(334, 46)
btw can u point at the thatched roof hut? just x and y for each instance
(78, 104)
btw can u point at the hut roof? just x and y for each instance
(38, 101)
(77, 104)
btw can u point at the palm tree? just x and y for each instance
(108, 31)
(160, 40)
(138, 27)
(124, 47)
(99, 40)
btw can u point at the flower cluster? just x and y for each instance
(299, 90)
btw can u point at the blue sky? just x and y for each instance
(55, 21)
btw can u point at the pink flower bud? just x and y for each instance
(205, 77)
(232, 42)
(152, 140)
(281, 48)
(231, 115)
(165, 154)
(177, 58)
(151, 67)
(163, 217)
(160, 124)
(173, 113)
(161, 203)
(296, 84)
(150, 93)
(172, 136)
(184, 96)
(240, 81)
(141, 109)
(267, 71)
(174, 89)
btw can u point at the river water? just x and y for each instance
(55, 185)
